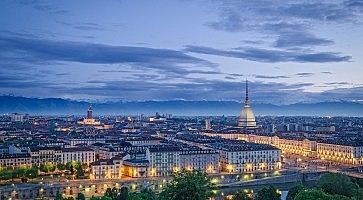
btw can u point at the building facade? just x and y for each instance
(15, 160)
(84, 155)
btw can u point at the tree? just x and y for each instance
(80, 172)
(43, 168)
(80, 196)
(61, 166)
(268, 193)
(315, 194)
(112, 193)
(58, 196)
(241, 196)
(101, 198)
(187, 185)
(75, 167)
(145, 194)
(32, 172)
(312, 194)
(124, 193)
(293, 192)
(337, 184)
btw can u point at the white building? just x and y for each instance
(46, 155)
(16, 117)
(84, 155)
(203, 160)
(164, 160)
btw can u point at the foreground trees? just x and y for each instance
(268, 193)
(331, 186)
(338, 184)
(188, 185)
(195, 185)
(241, 196)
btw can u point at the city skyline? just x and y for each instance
(291, 52)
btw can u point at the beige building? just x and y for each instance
(106, 169)
(346, 153)
(15, 160)
(135, 168)
(335, 151)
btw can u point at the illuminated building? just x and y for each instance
(202, 160)
(344, 152)
(341, 152)
(239, 156)
(135, 168)
(106, 169)
(89, 120)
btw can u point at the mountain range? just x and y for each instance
(58, 106)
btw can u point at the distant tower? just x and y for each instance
(208, 125)
(90, 113)
(247, 118)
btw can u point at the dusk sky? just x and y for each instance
(290, 51)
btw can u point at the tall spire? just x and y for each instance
(246, 100)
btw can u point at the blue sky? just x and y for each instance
(290, 51)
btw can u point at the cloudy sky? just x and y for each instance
(290, 51)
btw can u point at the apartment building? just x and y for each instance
(84, 155)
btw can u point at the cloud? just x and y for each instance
(246, 15)
(46, 7)
(199, 90)
(299, 39)
(270, 77)
(288, 24)
(84, 26)
(354, 4)
(230, 77)
(172, 61)
(337, 83)
(271, 56)
(236, 75)
(231, 23)
(304, 74)
(342, 94)
(318, 11)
